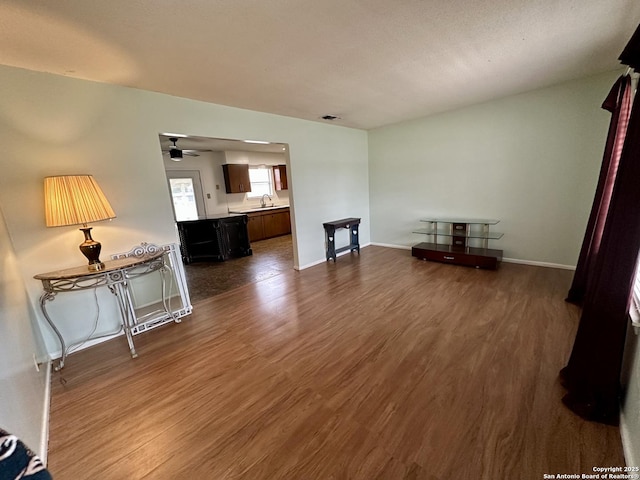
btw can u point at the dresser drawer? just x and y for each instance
(446, 254)
(458, 258)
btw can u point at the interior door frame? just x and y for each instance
(198, 192)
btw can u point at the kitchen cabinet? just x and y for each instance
(216, 238)
(269, 224)
(255, 226)
(236, 178)
(276, 224)
(280, 177)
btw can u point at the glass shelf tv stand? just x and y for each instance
(461, 241)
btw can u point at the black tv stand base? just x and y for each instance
(469, 256)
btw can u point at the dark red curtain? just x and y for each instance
(592, 376)
(618, 102)
(631, 53)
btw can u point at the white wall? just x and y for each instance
(209, 164)
(56, 125)
(242, 200)
(530, 160)
(22, 388)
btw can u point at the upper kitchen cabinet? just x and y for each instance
(236, 178)
(280, 177)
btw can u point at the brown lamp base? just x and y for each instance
(91, 249)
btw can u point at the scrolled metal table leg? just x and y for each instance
(44, 298)
(121, 292)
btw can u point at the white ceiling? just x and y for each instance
(370, 62)
(205, 144)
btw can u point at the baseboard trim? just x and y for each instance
(309, 265)
(46, 408)
(391, 245)
(625, 436)
(539, 264)
(406, 247)
(506, 260)
(88, 343)
(318, 262)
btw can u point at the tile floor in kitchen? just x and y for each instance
(270, 257)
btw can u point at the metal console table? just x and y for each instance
(118, 275)
(330, 232)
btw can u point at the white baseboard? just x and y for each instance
(391, 245)
(46, 408)
(507, 260)
(625, 435)
(309, 265)
(89, 343)
(539, 264)
(318, 262)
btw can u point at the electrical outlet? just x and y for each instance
(208, 195)
(217, 187)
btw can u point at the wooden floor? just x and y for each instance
(377, 367)
(271, 257)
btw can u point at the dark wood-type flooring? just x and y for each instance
(270, 257)
(379, 366)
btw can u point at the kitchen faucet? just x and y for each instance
(262, 201)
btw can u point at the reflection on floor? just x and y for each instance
(270, 257)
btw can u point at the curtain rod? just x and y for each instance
(631, 54)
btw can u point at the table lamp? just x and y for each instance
(77, 200)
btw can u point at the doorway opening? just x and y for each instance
(197, 171)
(187, 198)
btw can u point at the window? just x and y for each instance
(260, 177)
(634, 309)
(184, 201)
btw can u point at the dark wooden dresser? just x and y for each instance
(215, 238)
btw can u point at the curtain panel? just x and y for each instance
(618, 102)
(592, 375)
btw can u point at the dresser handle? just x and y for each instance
(449, 258)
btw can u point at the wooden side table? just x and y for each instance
(330, 231)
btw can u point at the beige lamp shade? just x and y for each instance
(74, 200)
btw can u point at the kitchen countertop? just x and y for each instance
(213, 216)
(258, 209)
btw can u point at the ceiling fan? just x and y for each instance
(178, 154)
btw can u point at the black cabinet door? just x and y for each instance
(214, 239)
(199, 240)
